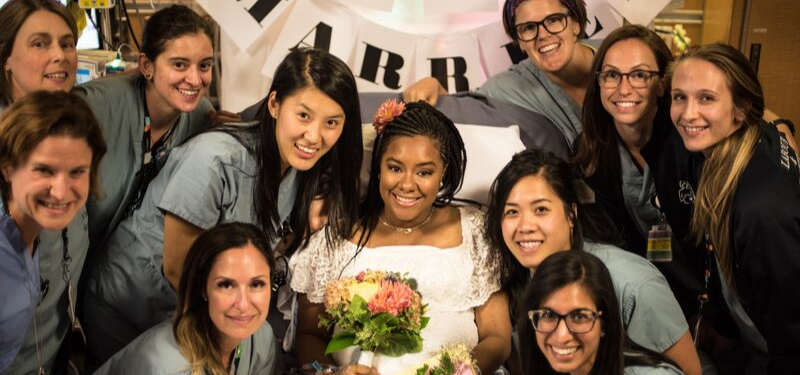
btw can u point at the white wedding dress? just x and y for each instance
(452, 282)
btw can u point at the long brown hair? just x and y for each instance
(728, 159)
(12, 15)
(597, 149)
(192, 327)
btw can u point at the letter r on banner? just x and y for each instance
(439, 70)
(372, 61)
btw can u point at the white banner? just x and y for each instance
(244, 21)
(382, 5)
(602, 19)
(494, 47)
(455, 60)
(440, 7)
(639, 11)
(320, 24)
(383, 58)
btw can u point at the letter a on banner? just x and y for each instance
(244, 20)
(383, 58)
(322, 24)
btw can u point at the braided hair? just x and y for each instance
(418, 119)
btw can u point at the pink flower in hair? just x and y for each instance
(387, 111)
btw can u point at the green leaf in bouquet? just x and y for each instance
(422, 369)
(339, 342)
(400, 343)
(423, 322)
(358, 307)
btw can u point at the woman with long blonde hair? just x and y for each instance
(738, 178)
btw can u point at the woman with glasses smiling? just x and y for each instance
(622, 107)
(569, 322)
(553, 80)
(536, 211)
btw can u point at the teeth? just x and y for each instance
(566, 351)
(694, 129)
(55, 206)
(307, 150)
(530, 243)
(189, 92)
(405, 200)
(626, 104)
(56, 75)
(548, 48)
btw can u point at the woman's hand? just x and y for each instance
(427, 89)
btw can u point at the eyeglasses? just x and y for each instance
(636, 78)
(554, 24)
(578, 321)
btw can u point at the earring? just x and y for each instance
(147, 76)
(441, 184)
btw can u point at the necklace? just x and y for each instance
(407, 230)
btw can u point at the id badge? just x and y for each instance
(659, 243)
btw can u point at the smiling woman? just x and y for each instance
(266, 173)
(50, 149)
(220, 320)
(568, 322)
(37, 49)
(408, 225)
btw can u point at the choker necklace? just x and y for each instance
(407, 230)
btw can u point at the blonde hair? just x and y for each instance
(727, 160)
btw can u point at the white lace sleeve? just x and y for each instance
(314, 266)
(485, 278)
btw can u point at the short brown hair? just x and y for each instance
(12, 16)
(41, 114)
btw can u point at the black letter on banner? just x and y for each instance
(439, 70)
(598, 28)
(372, 60)
(514, 53)
(262, 8)
(322, 38)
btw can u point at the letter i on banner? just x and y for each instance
(321, 24)
(454, 60)
(244, 20)
(383, 58)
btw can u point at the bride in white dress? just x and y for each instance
(408, 225)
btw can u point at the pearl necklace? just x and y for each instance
(407, 230)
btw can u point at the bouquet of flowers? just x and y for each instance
(377, 311)
(453, 360)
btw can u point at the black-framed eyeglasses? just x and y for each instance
(638, 78)
(554, 24)
(578, 321)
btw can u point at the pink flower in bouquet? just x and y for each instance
(394, 297)
(386, 113)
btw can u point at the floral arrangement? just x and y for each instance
(680, 40)
(377, 311)
(387, 111)
(453, 360)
